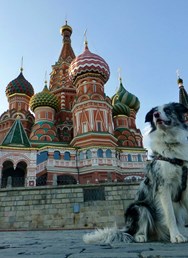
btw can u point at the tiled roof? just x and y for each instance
(16, 136)
(19, 85)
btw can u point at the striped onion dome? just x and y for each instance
(88, 62)
(19, 85)
(44, 98)
(123, 101)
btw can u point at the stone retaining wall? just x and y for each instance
(64, 206)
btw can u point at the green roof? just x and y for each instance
(16, 136)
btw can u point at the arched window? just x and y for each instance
(65, 131)
(94, 86)
(139, 158)
(99, 126)
(85, 87)
(129, 157)
(108, 153)
(57, 155)
(100, 153)
(81, 155)
(67, 155)
(88, 154)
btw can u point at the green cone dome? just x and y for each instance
(123, 101)
(19, 85)
(44, 98)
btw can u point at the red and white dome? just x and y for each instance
(88, 62)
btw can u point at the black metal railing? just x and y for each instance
(8, 182)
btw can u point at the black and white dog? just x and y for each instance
(160, 210)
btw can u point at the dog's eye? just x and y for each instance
(167, 111)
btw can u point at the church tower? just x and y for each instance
(45, 105)
(125, 106)
(92, 110)
(62, 87)
(18, 92)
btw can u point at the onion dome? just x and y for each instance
(88, 62)
(44, 98)
(19, 85)
(65, 28)
(123, 101)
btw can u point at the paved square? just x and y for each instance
(69, 244)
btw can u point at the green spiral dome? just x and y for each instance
(44, 98)
(123, 101)
(19, 85)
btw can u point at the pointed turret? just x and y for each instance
(16, 136)
(62, 87)
(67, 50)
(59, 77)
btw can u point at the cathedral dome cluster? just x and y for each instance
(19, 85)
(123, 101)
(70, 130)
(44, 98)
(88, 62)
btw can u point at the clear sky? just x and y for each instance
(147, 39)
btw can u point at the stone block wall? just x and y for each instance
(64, 207)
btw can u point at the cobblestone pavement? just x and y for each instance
(69, 244)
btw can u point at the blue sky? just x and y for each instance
(147, 39)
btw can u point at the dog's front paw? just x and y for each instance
(140, 238)
(179, 238)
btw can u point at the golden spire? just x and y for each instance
(119, 74)
(45, 78)
(179, 80)
(85, 39)
(21, 68)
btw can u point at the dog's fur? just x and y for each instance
(160, 210)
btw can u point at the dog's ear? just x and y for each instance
(180, 108)
(149, 115)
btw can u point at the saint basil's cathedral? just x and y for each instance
(71, 132)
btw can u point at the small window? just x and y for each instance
(129, 157)
(99, 126)
(108, 153)
(94, 86)
(139, 158)
(65, 131)
(84, 127)
(85, 88)
(88, 154)
(94, 194)
(81, 155)
(57, 155)
(67, 155)
(100, 153)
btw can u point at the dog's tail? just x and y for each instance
(107, 236)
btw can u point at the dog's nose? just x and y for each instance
(156, 114)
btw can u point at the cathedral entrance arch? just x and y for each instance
(14, 177)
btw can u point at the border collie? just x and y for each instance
(160, 209)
